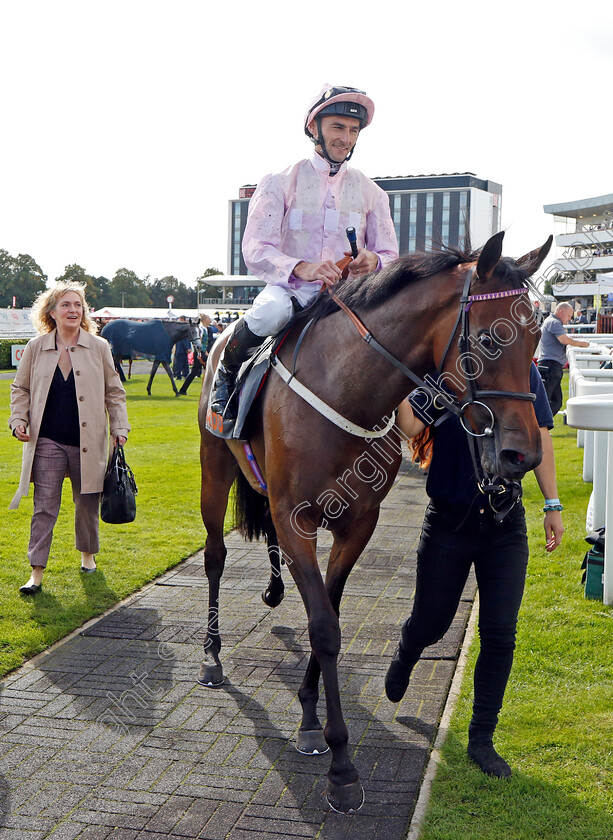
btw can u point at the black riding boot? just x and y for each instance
(235, 353)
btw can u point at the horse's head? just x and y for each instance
(489, 369)
(194, 334)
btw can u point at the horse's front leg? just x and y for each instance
(346, 550)
(168, 370)
(344, 790)
(218, 473)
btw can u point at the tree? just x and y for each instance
(184, 297)
(207, 290)
(96, 288)
(20, 277)
(127, 289)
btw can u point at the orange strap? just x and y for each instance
(342, 264)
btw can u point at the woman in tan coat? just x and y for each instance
(65, 392)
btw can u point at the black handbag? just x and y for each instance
(118, 503)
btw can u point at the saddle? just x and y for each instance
(250, 380)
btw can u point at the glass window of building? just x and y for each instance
(429, 219)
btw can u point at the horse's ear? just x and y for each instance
(490, 256)
(531, 261)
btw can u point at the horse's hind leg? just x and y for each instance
(118, 368)
(274, 592)
(218, 473)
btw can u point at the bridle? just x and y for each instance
(490, 486)
(442, 398)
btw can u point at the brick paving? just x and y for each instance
(108, 736)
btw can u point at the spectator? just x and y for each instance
(199, 363)
(180, 366)
(552, 357)
(64, 390)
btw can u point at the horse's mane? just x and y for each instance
(363, 294)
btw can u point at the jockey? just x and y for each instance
(295, 230)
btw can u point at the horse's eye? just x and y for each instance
(486, 340)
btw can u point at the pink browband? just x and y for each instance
(493, 295)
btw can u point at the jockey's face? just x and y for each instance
(340, 135)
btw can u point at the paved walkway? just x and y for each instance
(108, 736)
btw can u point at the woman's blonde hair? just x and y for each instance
(49, 299)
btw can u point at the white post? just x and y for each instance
(588, 455)
(600, 477)
(608, 542)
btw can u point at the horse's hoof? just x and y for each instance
(311, 742)
(272, 599)
(211, 676)
(345, 799)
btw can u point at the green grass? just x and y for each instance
(163, 453)
(556, 726)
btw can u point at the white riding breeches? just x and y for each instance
(273, 308)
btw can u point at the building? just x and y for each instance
(426, 209)
(584, 238)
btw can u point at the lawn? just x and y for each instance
(556, 727)
(163, 453)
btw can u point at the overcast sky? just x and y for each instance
(127, 126)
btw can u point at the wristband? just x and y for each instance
(547, 508)
(552, 501)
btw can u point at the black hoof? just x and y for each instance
(345, 799)
(211, 676)
(311, 742)
(272, 599)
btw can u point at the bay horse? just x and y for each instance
(314, 473)
(152, 338)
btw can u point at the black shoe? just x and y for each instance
(30, 589)
(487, 759)
(398, 675)
(87, 571)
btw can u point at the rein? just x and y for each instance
(502, 494)
(506, 492)
(449, 402)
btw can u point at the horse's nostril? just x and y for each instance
(513, 457)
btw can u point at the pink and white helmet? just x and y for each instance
(344, 101)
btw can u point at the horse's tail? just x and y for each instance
(250, 509)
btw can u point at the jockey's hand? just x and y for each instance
(325, 272)
(364, 263)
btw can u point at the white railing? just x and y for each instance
(590, 410)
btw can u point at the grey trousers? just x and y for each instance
(52, 461)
